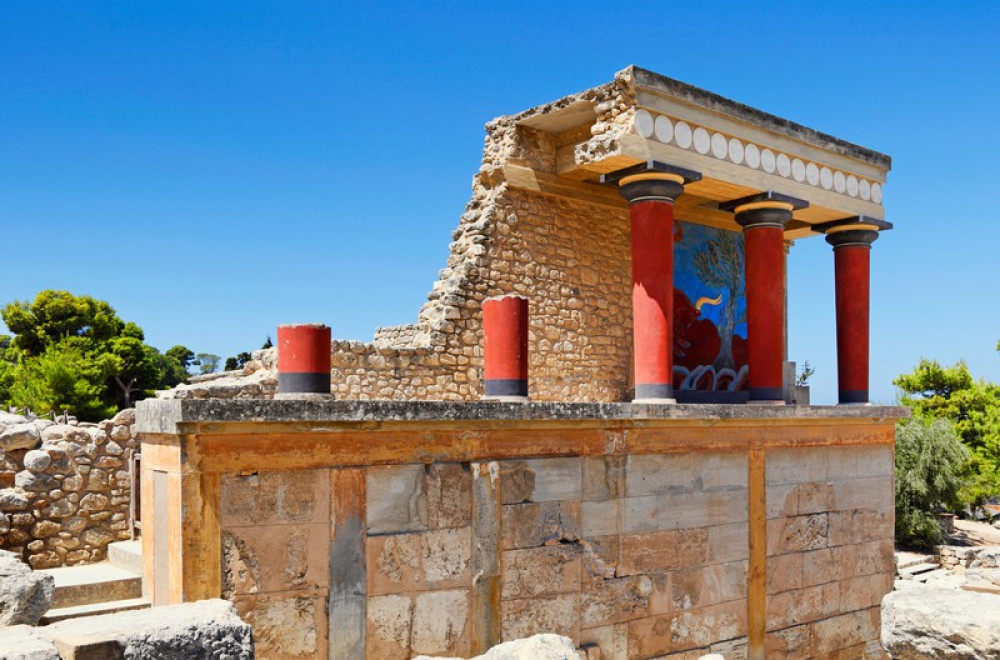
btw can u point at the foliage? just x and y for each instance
(238, 362)
(74, 353)
(929, 476)
(207, 362)
(175, 363)
(951, 393)
(807, 371)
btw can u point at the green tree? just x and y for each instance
(74, 353)
(933, 391)
(207, 362)
(930, 461)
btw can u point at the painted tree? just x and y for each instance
(720, 266)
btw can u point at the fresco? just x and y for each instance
(710, 327)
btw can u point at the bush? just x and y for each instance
(929, 477)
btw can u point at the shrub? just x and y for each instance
(929, 477)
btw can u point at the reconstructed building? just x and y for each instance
(621, 263)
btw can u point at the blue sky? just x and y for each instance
(214, 169)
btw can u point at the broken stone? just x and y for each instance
(24, 594)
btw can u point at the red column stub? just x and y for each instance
(505, 347)
(852, 263)
(763, 218)
(304, 359)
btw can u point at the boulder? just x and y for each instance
(24, 594)
(20, 436)
(37, 460)
(24, 643)
(985, 580)
(941, 623)
(125, 417)
(538, 647)
(204, 629)
(988, 557)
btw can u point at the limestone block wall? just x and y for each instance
(68, 488)
(356, 530)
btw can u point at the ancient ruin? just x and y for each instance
(654, 494)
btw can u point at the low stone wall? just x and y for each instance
(380, 530)
(68, 488)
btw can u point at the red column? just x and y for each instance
(505, 347)
(763, 218)
(304, 359)
(852, 263)
(651, 208)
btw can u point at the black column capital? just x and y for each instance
(858, 231)
(766, 209)
(651, 181)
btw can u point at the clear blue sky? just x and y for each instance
(214, 169)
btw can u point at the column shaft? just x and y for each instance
(852, 264)
(652, 297)
(765, 290)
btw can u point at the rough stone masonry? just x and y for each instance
(405, 516)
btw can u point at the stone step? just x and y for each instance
(910, 572)
(939, 572)
(110, 607)
(93, 583)
(908, 559)
(127, 555)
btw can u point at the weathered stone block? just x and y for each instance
(663, 551)
(815, 497)
(791, 608)
(728, 543)
(544, 571)
(794, 642)
(275, 497)
(436, 559)
(864, 592)
(702, 509)
(723, 471)
(275, 558)
(690, 629)
(601, 517)
(611, 641)
(797, 534)
(531, 616)
(652, 474)
(389, 626)
(533, 524)
(449, 495)
(441, 623)
(784, 572)
(396, 500)
(603, 478)
(604, 602)
(517, 482)
(874, 461)
(555, 479)
(875, 493)
(845, 631)
(708, 585)
(289, 626)
(796, 466)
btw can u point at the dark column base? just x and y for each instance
(506, 387)
(766, 395)
(303, 382)
(654, 393)
(853, 397)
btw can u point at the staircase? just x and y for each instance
(110, 586)
(919, 568)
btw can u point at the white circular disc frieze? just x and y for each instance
(736, 152)
(767, 160)
(664, 129)
(877, 193)
(852, 186)
(702, 140)
(644, 123)
(826, 177)
(865, 189)
(798, 170)
(812, 174)
(720, 146)
(784, 165)
(839, 184)
(752, 156)
(682, 135)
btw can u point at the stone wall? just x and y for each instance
(353, 530)
(67, 493)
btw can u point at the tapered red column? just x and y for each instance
(304, 359)
(852, 263)
(651, 189)
(763, 218)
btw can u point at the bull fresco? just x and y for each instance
(710, 329)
